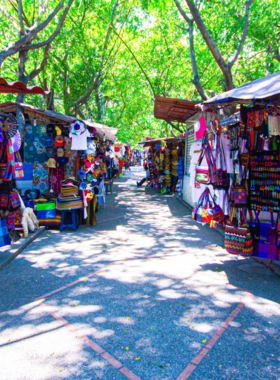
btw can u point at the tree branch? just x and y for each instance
(16, 47)
(171, 128)
(136, 60)
(55, 33)
(195, 81)
(178, 26)
(37, 71)
(20, 15)
(183, 13)
(211, 45)
(13, 21)
(175, 127)
(238, 50)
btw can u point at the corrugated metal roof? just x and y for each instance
(156, 141)
(101, 129)
(172, 109)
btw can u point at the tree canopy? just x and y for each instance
(105, 60)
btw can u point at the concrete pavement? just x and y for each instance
(147, 294)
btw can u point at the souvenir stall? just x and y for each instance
(241, 160)
(165, 160)
(184, 114)
(12, 208)
(65, 161)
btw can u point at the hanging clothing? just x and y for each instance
(79, 142)
(229, 161)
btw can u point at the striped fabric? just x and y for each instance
(70, 205)
(54, 221)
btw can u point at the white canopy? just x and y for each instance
(258, 89)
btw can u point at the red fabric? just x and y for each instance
(56, 176)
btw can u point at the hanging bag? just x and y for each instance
(4, 200)
(238, 195)
(214, 212)
(205, 174)
(14, 200)
(5, 168)
(248, 247)
(16, 167)
(265, 237)
(222, 177)
(198, 209)
(202, 173)
(235, 235)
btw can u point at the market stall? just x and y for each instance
(186, 113)
(164, 163)
(236, 174)
(59, 168)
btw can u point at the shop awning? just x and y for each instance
(157, 141)
(171, 109)
(55, 117)
(262, 88)
(19, 88)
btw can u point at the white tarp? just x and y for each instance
(258, 89)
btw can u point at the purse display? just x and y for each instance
(265, 237)
(198, 210)
(238, 195)
(214, 212)
(14, 200)
(206, 174)
(4, 200)
(235, 235)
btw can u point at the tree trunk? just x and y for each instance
(225, 68)
(50, 101)
(20, 98)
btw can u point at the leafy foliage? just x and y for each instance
(112, 57)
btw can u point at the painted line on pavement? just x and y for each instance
(99, 350)
(186, 374)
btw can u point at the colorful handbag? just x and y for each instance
(202, 174)
(214, 212)
(238, 195)
(4, 200)
(235, 236)
(222, 179)
(248, 247)
(5, 172)
(265, 238)
(10, 221)
(205, 174)
(199, 208)
(16, 167)
(14, 200)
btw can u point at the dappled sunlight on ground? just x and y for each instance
(149, 285)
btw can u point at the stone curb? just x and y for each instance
(19, 246)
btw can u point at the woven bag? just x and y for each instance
(235, 236)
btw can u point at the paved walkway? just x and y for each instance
(148, 294)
